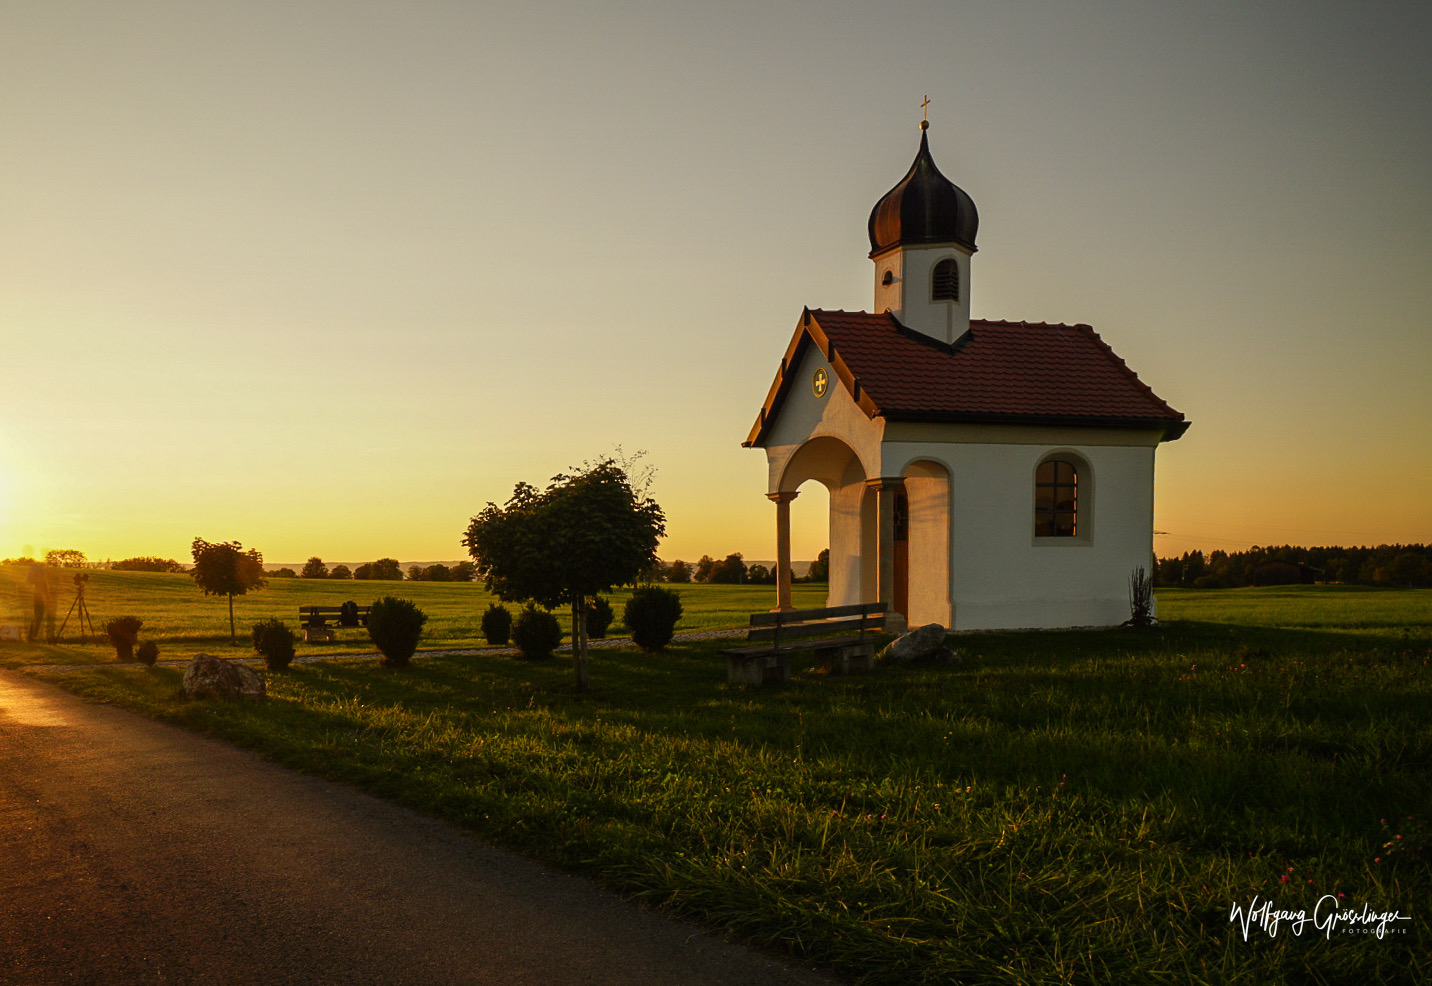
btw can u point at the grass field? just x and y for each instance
(1081, 807)
(180, 618)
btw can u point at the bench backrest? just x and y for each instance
(780, 625)
(348, 615)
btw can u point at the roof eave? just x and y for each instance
(808, 332)
(1172, 428)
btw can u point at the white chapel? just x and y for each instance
(982, 474)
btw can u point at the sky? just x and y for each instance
(326, 278)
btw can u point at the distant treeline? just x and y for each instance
(1386, 564)
(733, 570)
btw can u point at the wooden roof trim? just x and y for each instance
(808, 332)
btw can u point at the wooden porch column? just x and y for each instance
(885, 491)
(783, 548)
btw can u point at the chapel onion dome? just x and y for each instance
(926, 207)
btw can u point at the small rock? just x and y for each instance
(927, 641)
(208, 676)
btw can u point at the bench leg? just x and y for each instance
(744, 671)
(778, 668)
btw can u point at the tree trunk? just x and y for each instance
(579, 642)
(233, 637)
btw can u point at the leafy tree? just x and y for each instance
(463, 571)
(385, 570)
(226, 569)
(314, 569)
(678, 572)
(731, 570)
(65, 558)
(1194, 566)
(340, 572)
(704, 567)
(589, 531)
(147, 564)
(1407, 568)
(283, 573)
(438, 573)
(820, 568)
(759, 575)
(416, 573)
(363, 571)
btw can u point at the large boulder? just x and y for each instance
(922, 644)
(208, 676)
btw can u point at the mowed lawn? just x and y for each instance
(1070, 807)
(182, 620)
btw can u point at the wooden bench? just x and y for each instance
(784, 633)
(316, 620)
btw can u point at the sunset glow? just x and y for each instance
(325, 280)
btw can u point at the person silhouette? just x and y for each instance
(39, 579)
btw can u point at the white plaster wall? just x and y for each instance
(846, 569)
(804, 416)
(908, 297)
(1002, 577)
(869, 546)
(890, 297)
(927, 491)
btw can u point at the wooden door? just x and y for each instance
(901, 602)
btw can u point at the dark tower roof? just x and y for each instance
(926, 207)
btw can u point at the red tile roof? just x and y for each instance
(998, 372)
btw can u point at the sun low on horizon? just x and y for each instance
(326, 281)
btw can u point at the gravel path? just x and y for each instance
(374, 655)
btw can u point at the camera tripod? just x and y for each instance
(84, 614)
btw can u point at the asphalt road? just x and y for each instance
(134, 852)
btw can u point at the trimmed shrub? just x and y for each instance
(395, 626)
(536, 633)
(599, 617)
(274, 642)
(123, 633)
(651, 615)
(497, 624)
(147, 653)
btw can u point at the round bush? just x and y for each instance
(536, 633)
(274, 642)
(599, 617)
(123, 633)
(147, 653)
(651, 614)
(395, 626)
(497, 624)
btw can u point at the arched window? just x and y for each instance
(945, 281)
(1056, 499)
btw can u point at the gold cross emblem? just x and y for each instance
(820, 383)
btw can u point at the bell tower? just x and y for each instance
(922, 237)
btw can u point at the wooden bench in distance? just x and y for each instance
(784, 633)
(316, 620)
